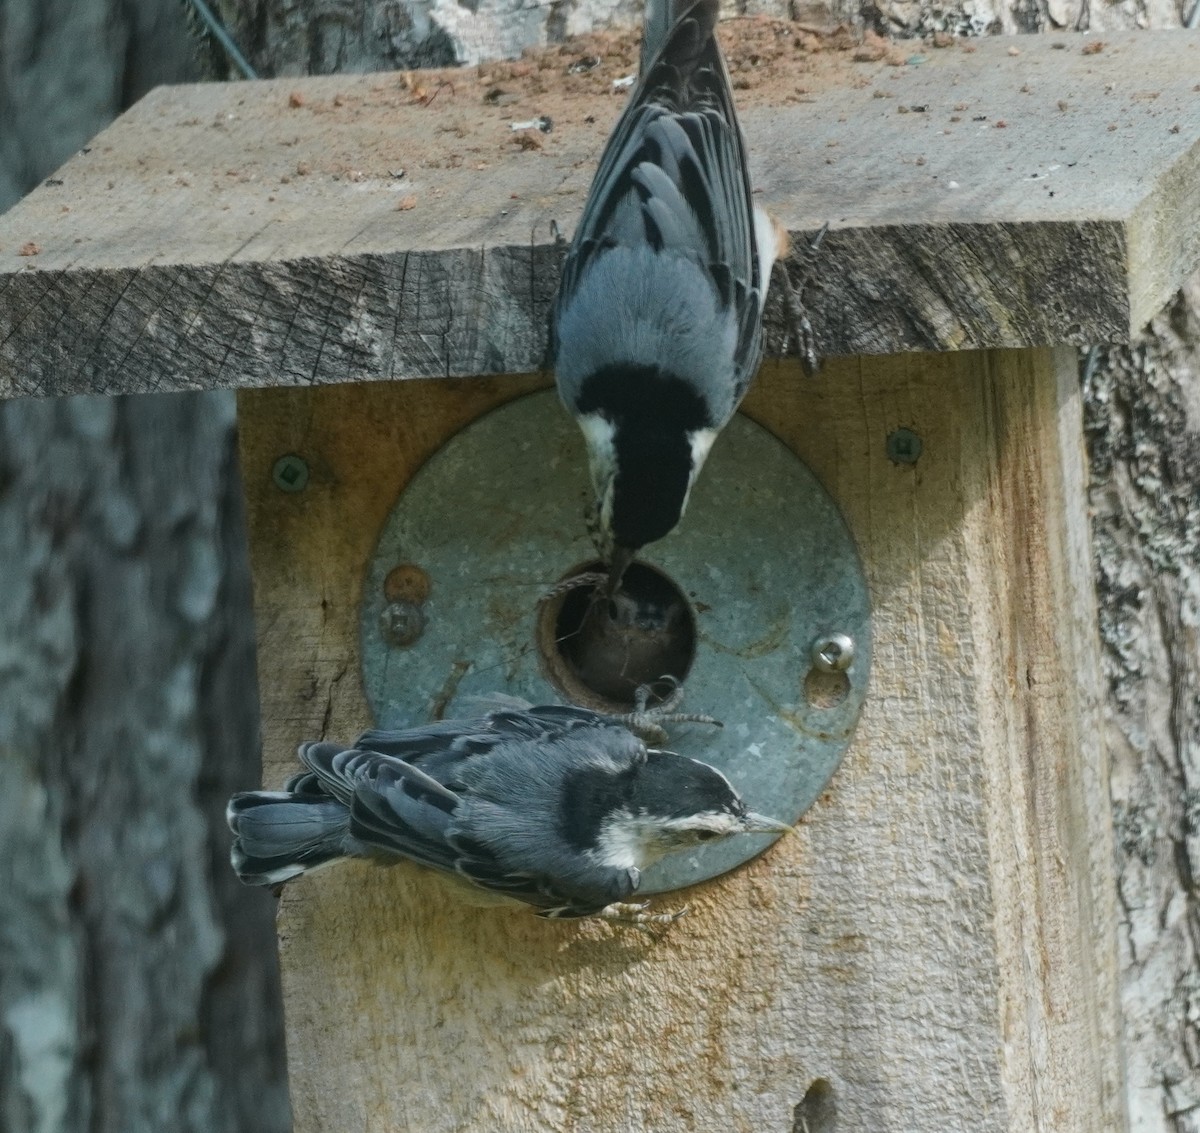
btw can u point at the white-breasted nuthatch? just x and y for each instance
(657, 328)
(557, 807)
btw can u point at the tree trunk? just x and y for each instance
(140, 989)
(138, 979)
(1144, 439)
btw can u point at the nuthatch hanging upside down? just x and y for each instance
(658, 321)
(557, 807)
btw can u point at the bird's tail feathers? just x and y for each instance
(278, 835)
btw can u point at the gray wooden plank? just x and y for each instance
(243, 235)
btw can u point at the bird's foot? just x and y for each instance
(635, 915)
(595, 528)
(560, 255)
(799, 328)
(673, 699)
(649, 723)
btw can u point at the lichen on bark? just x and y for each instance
(1142, 405)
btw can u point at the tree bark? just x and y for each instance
(139, 989)
(138, 979)
(1144, 442)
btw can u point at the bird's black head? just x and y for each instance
(666, 788)
(650, 485)
(673, 786)
(669, 803)
(650, 431)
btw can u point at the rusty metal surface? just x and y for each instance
(768, 565)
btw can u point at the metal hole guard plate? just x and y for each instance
(495, 517)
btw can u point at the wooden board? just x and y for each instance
(939, 941)
(301, 232)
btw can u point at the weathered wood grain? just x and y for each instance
(249, 234)
(938, 942)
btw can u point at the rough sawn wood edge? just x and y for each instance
(465, 312)
(151, 276)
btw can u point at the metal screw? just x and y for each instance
(904, 446)
(833, 653)
(290, 473)
(401, 624)
(406, 583)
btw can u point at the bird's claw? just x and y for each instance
(560, 255)
(799, 328)
(648, 723)
(814, 245)
(641, 697)
(634, 914)
(594, 528)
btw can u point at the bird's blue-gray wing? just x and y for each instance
(441, 749)
(400, 808)
(673, 177)
(395, 808)
(530, 822)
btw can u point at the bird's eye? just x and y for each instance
(705, 835)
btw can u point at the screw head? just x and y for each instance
(406, 583)
(833, 653)
(904, 446)
(290, 473)
(401, 624)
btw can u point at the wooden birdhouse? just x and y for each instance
(885, 570)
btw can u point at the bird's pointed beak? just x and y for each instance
(617, 564)
(760, 824)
